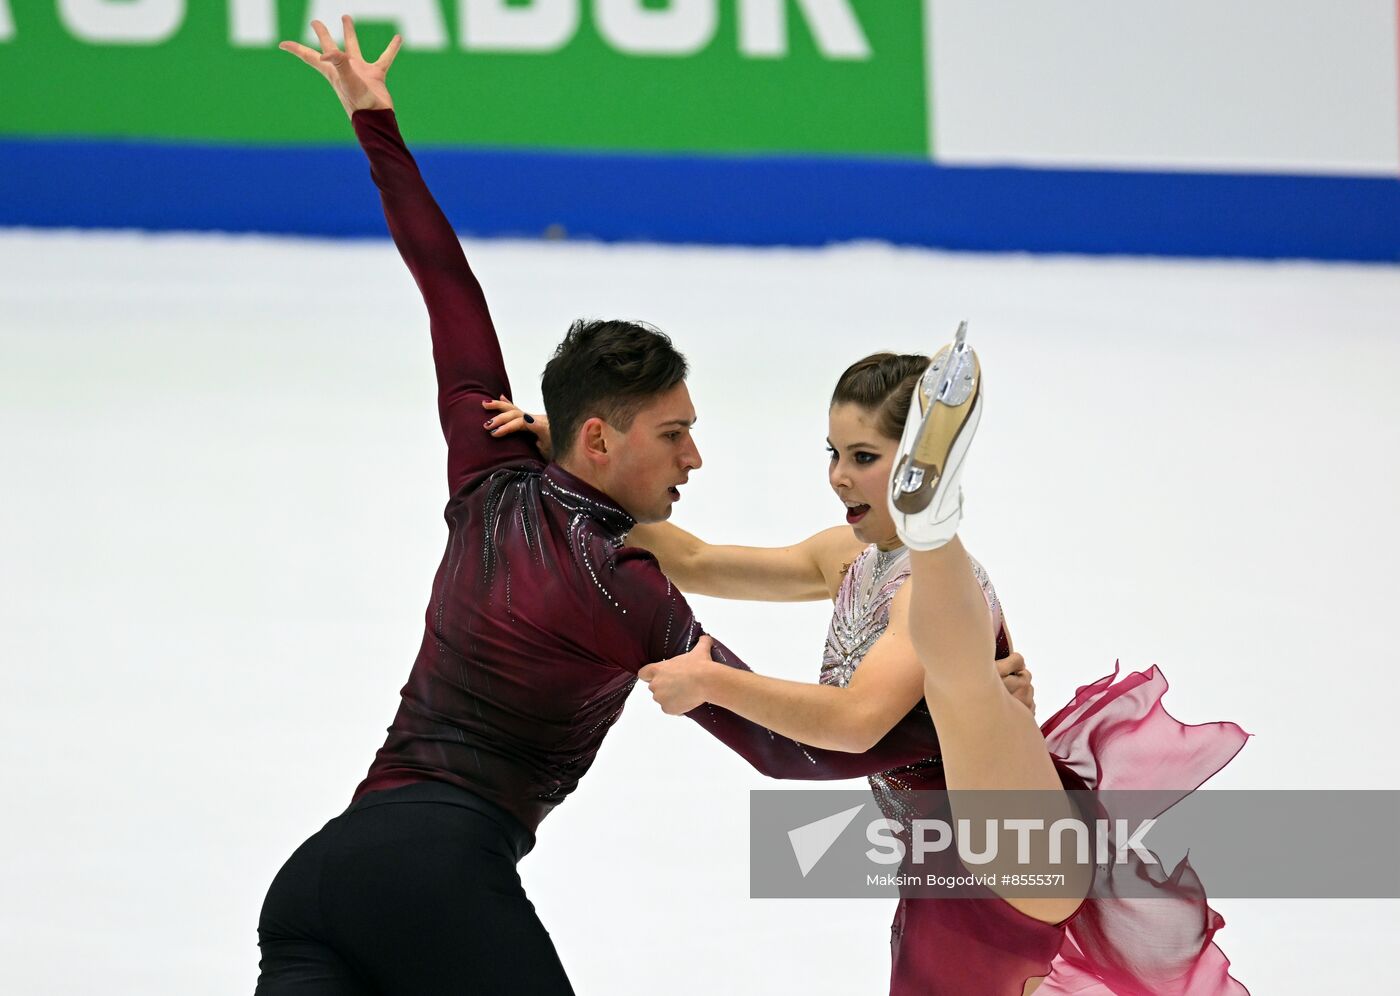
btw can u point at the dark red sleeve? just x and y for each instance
(662, 626)
(466, 352)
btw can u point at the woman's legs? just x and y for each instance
(952, 633)
(989, 740)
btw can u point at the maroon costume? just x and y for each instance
(538, 625)
(539, 620)
(540, 617)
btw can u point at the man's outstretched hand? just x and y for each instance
(358, 84)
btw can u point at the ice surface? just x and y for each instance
(223, 482)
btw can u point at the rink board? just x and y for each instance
(1262, 128)
(729, 200)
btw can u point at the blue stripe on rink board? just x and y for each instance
(746, 201)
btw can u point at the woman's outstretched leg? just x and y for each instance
(990, 742)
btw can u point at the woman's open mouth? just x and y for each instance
(854, 513)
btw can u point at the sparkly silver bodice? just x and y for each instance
(860, 617)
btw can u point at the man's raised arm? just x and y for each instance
(466, 351)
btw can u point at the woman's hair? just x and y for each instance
(882, 383)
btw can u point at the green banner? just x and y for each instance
(841, 77)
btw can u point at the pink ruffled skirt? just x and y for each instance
(1112, 735)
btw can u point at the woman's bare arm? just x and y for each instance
(808, 571)
(888, 683)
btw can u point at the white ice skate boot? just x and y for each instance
(925, 488)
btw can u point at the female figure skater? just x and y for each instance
(929, 647)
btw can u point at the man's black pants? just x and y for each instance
(410, 892)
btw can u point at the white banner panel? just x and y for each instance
(1308, 86)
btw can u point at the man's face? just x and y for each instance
(649, 462)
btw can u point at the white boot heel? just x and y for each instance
(925, 488)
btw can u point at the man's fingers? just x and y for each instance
(647, 673)
(352, 42)
(328, 44)
(704, 645)
(307, 55)
(387, 58)
(1010, 664)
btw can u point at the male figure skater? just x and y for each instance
(539, 620)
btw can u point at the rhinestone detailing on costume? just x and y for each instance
(862, 611)
(859, 619)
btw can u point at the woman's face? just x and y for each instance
(861, 460)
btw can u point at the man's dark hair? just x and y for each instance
(883, 383)
(607, 369)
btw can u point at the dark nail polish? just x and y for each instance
(530, 418)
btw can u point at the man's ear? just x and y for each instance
(593, 440)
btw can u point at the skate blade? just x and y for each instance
(946, 396)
